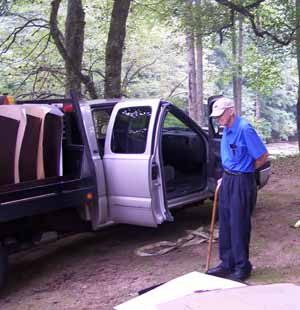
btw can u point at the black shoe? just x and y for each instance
(219, 271)
(239, 275)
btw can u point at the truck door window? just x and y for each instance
(172, 121)
(101, 118)
(130, 130)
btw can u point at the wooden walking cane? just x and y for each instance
(212, 227)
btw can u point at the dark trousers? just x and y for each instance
(237, 199)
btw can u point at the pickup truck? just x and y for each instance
(77, 166)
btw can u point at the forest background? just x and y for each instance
(181, 50)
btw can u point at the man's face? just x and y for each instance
(225, 118)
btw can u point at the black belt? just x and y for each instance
(236, 172)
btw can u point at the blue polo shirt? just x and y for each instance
(241, 146)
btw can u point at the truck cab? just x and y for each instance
(153, 156)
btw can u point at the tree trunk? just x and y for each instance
(74, 39)
(240, 66)
(199, 68)
(191, 59)
(190, 42)
(114, 49)
(237, 59)
(298, 66)
(199, 75)
(234, 61)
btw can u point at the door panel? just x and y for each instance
(98, 212)
(135, 195)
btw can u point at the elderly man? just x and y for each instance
(242, 151)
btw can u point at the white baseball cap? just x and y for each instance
(220, 106)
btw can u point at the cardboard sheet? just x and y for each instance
(179, 287)
(260, 297)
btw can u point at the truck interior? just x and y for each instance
(184, 158)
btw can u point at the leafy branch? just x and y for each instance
(175, 87)
(7, 43)
(4, 7)
(246, 11)
(128, 78)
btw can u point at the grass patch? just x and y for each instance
(257, 246)
(275, 275)
(292, 250)
(267, 275)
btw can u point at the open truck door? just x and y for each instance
(133, 174)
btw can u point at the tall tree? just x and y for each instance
(74, 40)
(199, 67)
(234, 59)
(192, 88)
(237, 57)
(298, 65)
(237, 53)
(67, 45)
(199, 79)
(114, 49)
(239, 84)
(191, 61)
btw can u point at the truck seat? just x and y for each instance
(12, 128)
(29, 149)
(41, 155)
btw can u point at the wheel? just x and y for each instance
(3, 266)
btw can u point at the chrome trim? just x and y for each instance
(28, 199)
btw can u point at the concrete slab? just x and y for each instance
(178, 287)
(281, 296)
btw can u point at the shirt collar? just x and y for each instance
(234, 126)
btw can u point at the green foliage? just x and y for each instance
(261, 72)
(154, 61)
(171, 121)
(263, 128)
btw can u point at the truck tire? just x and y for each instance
(3, 266)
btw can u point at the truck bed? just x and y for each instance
(42, 196)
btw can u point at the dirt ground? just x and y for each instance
(101, 270)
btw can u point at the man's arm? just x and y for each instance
(261, 160)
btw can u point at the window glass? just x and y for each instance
(101, 119)
(172, 122)
(130, 130)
